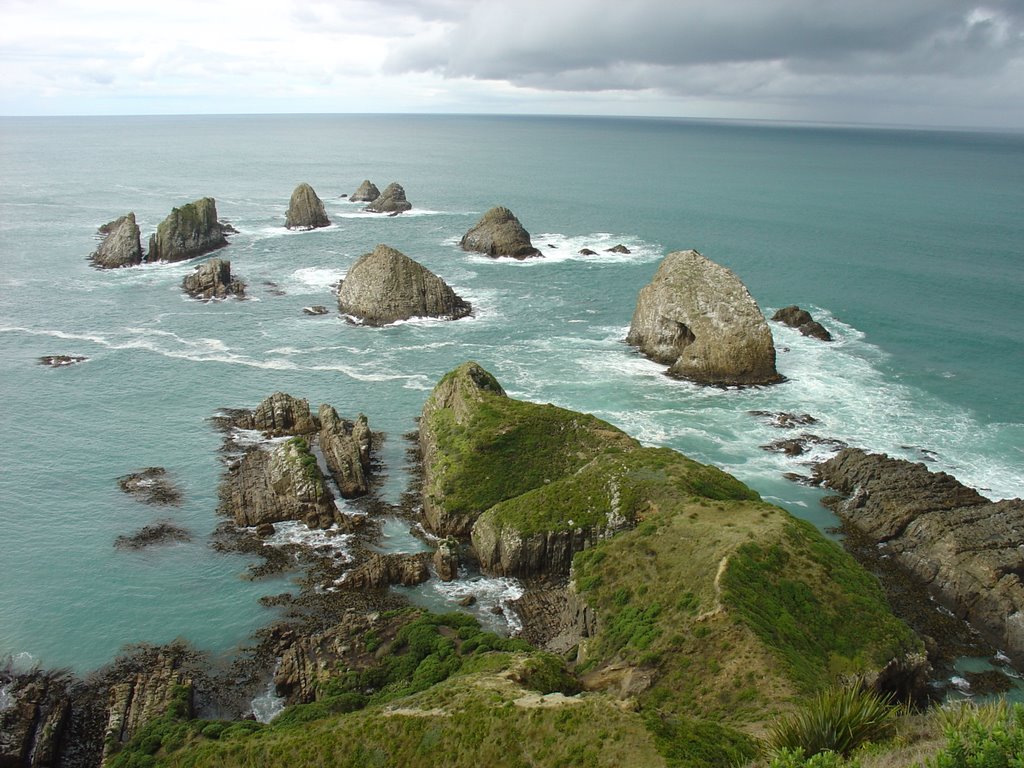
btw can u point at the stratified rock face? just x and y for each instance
(386, 285)
(499, 233)
(187, 232)
(966, 549)
(698, 318)
(33, 728)
(121, 246)
(381, 571)
(801, 319)
(346, 449)
(391, 200)
(305, 210)
(212, 280)
(279, 415)
(366, 193)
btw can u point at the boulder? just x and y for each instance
(305, 210)
(212, 280)
(189, 231)
(499, 233)
(277, 416)
(620, 248)
(386, 285)
(346, 449)
(963, 547)
(366, 193)
(698, 318)
(316, 309)
(391, 200)
(121, 245)
(587, 252)
(801, 319)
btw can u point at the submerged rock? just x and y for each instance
(305, 210)
(366, 193)
(698, 318)
(61, 361)
(162, 532)
(499, 233)
(189, 231)
(965, 548)
(801, 319)
(391, 200)
(121, 245)
(386, 285)
(212, 280)
(150, 486)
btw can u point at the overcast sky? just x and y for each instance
(911, 62)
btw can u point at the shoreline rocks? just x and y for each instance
(801, 319)
(212, 280)
(499, 233)
(392, 200)
(385, 286)
(698, 318)
(187, 232)
(121, 245)
(305, 210)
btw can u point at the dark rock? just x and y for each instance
(277, 416)
(815, 330)
(62, 361)
(499, 233)
(33, 729)
(317, 309)
(305, 210)
(159, 533)
(212, 280)
(801, 319)
(798, 446)
(620, 248)
(699, 319)
(784, 420)
(988, 683)
(466, 601)
(386, 285)
(391, 200)
(121, 245)
(150, 486)
(187, 232)
(265, 530)
(379, 571)
(366, 193)
(587, 252)
(346, 449)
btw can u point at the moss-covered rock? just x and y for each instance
(188, 231)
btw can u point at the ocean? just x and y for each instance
(907, 245)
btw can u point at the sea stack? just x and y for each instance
(801, 319)
(306, 210)
(188, 231)
(121, 245)
(499, 233)
(698, 318)
(391, 200)
(366, 193)
(212, 280)
(386, 285)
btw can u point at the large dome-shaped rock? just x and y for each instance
(386, 285)
(366, 193)
(212, 280)
(121, 245)
(391, 200)
(499, 233)
(698, 318)
(305, 210)
(188, 231)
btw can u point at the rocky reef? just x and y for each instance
(391, 200)
(305, 210)
(386, 285)
(366, 193)
(150, 486)
(801, 319)
(212, 280)
(61, 361)
(499, 233)
(121, 245)
(699, 319)
(189, 231)
(963, 547)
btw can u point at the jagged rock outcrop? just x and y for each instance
(379, 571)
(366, 193)
(966, 549)
(346, 449)
(189, 231)
(150, 486)
(212, 280)
(555, 619)
(446, 560)
(33, 729)
(386, 285)
(305, 210)
(801, 319)
(280, 483)
(279, 415)
(698, 318)
(391, 200)
(499, 233)
(121, 245)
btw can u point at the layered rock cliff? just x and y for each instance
(968, 550)
(499, 233)
(212, 280)
(121, 245)
(696, 317)
(391, 200)
(189, 231)
(305, 210)
(386, 285)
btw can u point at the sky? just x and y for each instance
(890, 62)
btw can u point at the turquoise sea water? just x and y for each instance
(908, 246)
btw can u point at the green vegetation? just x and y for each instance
(990, 737)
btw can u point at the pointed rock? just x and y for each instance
(346, 449)
(499, 233)
(121, 245)
(391, 200)
(305, 210)
(366, 193)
